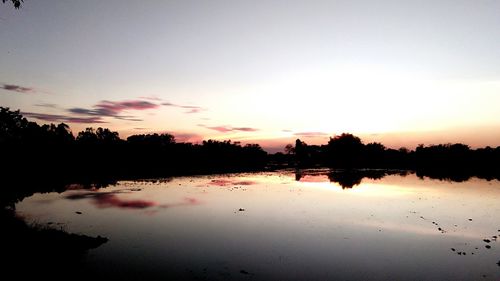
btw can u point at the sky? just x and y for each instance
(397, 72)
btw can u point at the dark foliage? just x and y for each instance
(31, 151)
(457, 162)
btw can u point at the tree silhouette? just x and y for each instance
(107, 136)
(38, 151)
(159, 140)
(289, 149)
(301, 155)
(88, 136)
(345, 150)
(12, 125)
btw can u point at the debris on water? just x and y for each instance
(241, 210)
(498, 263)
(244, 272)
(487, 240)
(79, 213)
(488, 247)
(49, 223)
(470, 219)
(453, 249)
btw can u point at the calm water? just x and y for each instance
(269, 226)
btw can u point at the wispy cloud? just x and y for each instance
(63, 118)
(151, 98)
(17, 88)
(47, 105)
(311, 134)
(114, 109)
(227, 129)
(190, 108)
(106, 109)
(245, 129)
(187, 137)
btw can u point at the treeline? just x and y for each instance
(29, 150)
(443, 161)
(34, 151)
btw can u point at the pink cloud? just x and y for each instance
(311, 134)
(226, 129)
(222, 129)
(190, 108)
(187, 137)
(114, 109)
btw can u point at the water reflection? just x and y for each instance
(113, 200)
(345, 178)
(291, 225)
(110, 199)
(226, 182)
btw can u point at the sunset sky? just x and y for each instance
(398, 72)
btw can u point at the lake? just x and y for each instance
(283, 226)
